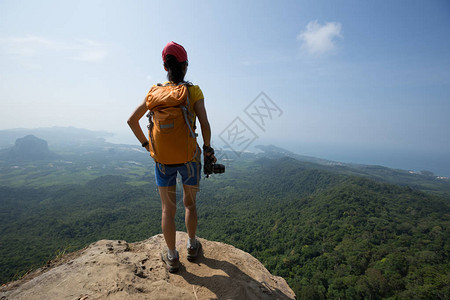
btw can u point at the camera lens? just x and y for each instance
(218, 168)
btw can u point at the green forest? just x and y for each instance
(329, 233)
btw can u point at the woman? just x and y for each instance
(176, 63)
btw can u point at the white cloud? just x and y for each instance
(88, 50)
(319, 39)
(28, 46)
(32, 50)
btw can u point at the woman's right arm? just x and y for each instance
(133, 122)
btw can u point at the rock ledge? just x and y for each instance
(119, 270)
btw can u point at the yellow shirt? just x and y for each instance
(195, 94)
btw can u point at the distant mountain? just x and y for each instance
(28, 148)
(59, 136)
(274, 152)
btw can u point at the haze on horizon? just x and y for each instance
(341, 80)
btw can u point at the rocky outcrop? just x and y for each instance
(28, 148)
(119, 270)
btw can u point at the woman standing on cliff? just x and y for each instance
(175, 63)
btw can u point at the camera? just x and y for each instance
(210, 167)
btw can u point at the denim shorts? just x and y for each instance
(166, 175)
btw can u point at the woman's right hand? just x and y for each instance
(210, 156)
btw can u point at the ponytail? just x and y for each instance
(174, 69)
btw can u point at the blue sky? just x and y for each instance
(345, 75)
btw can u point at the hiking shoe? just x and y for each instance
(171, 264)
(193, 251)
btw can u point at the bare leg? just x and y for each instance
(189, 195)
(169, 208)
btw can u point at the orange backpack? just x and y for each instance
(172, 135)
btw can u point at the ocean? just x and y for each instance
(438, 163)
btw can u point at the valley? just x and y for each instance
(331, 230)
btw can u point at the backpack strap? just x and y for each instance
(150, 127)
(188, 114)
(188, 117)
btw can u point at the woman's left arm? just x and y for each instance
(133, 122)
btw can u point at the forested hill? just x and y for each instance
(334, 236)
(328, 234)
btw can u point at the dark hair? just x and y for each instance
(174, 69)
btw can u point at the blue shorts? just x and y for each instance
(166, 175)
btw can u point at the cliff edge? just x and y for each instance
(120, 270)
